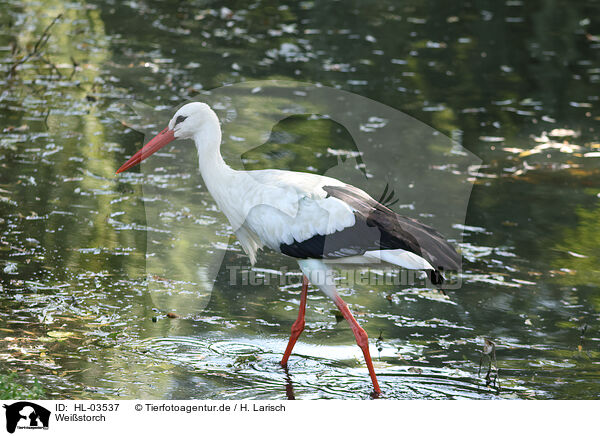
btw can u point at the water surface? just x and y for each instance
(514, 82)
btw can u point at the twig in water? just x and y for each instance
(41, 42)
(489, 351)
(379, 343)
(582, 338)
(46, 118)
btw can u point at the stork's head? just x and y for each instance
(188, 121)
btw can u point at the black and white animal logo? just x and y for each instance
(26, 415)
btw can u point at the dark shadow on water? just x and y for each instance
(289, 387)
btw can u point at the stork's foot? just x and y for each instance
(359, 333)
(298, 325)
(361, 339)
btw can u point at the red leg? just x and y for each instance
(361, 339)
(298, 325)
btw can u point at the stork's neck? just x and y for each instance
(218, 176)
(211, 163)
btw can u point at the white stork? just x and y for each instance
(318, 220)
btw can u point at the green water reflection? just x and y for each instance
(515, 82)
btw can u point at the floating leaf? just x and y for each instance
(56, 334)
(563, 132)
(491, 138)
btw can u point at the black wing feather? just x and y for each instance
(376, 227)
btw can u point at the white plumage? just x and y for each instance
(319, 220)
(300, 212)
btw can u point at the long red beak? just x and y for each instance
(155, 144)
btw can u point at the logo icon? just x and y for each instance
(381, 151)
(26, 415)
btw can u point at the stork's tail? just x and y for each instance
(436, 277)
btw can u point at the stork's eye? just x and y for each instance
(180, 119)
